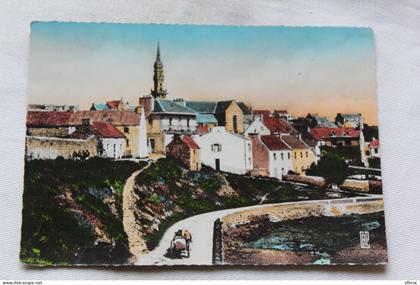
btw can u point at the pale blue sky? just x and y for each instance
(325, 70)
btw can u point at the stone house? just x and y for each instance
(336, 136)
(234, 116)
(62, 124)
(127, 122)
(166, 119)
(225, 151)
(186, 151)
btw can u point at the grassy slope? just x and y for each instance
(57, 229)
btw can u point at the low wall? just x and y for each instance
(298, 210)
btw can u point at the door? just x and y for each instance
(235, 123)
(217, 164)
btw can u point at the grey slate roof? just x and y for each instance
(167, 106)
(206, 118)
(245, 109)
(207, 107)
(222, 106)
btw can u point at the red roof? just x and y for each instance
(202, 129)
(190, 142)
(374, 144)
(325, 133)
(62, 119)
(274, 143)
(276, 125)
(48, 119)
(294, 142)
(107, 130)
(113, 104)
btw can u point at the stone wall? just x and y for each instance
(50, 132)
(297, 210)
(51, 148)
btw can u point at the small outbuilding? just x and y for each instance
(186, 151)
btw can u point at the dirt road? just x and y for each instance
(136, 242)
(201, 228)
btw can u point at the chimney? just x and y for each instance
(148, 104)
(86, 122)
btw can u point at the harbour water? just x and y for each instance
(323, 237)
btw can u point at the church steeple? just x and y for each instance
(158, 90)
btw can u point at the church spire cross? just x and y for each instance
(158, 53)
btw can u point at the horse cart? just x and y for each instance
(180, 245)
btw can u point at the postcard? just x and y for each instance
(155, 144)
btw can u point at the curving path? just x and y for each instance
(136, 242)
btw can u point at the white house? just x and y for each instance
(112, 141)
(225, 151)
(257, 127)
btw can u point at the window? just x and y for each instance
(301, 154)
(126, 130)
(216, 147)
(367, 152)
(288, 155)
(188, 122)
(150, 122)
(282, 157)
(128, 143)
(306, 154)
(295, 155)
(376, 150)
(275, 156)
(170, 121)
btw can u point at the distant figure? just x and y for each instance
(186, 235)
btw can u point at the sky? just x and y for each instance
(324, 70)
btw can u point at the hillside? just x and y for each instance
(72, 211)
